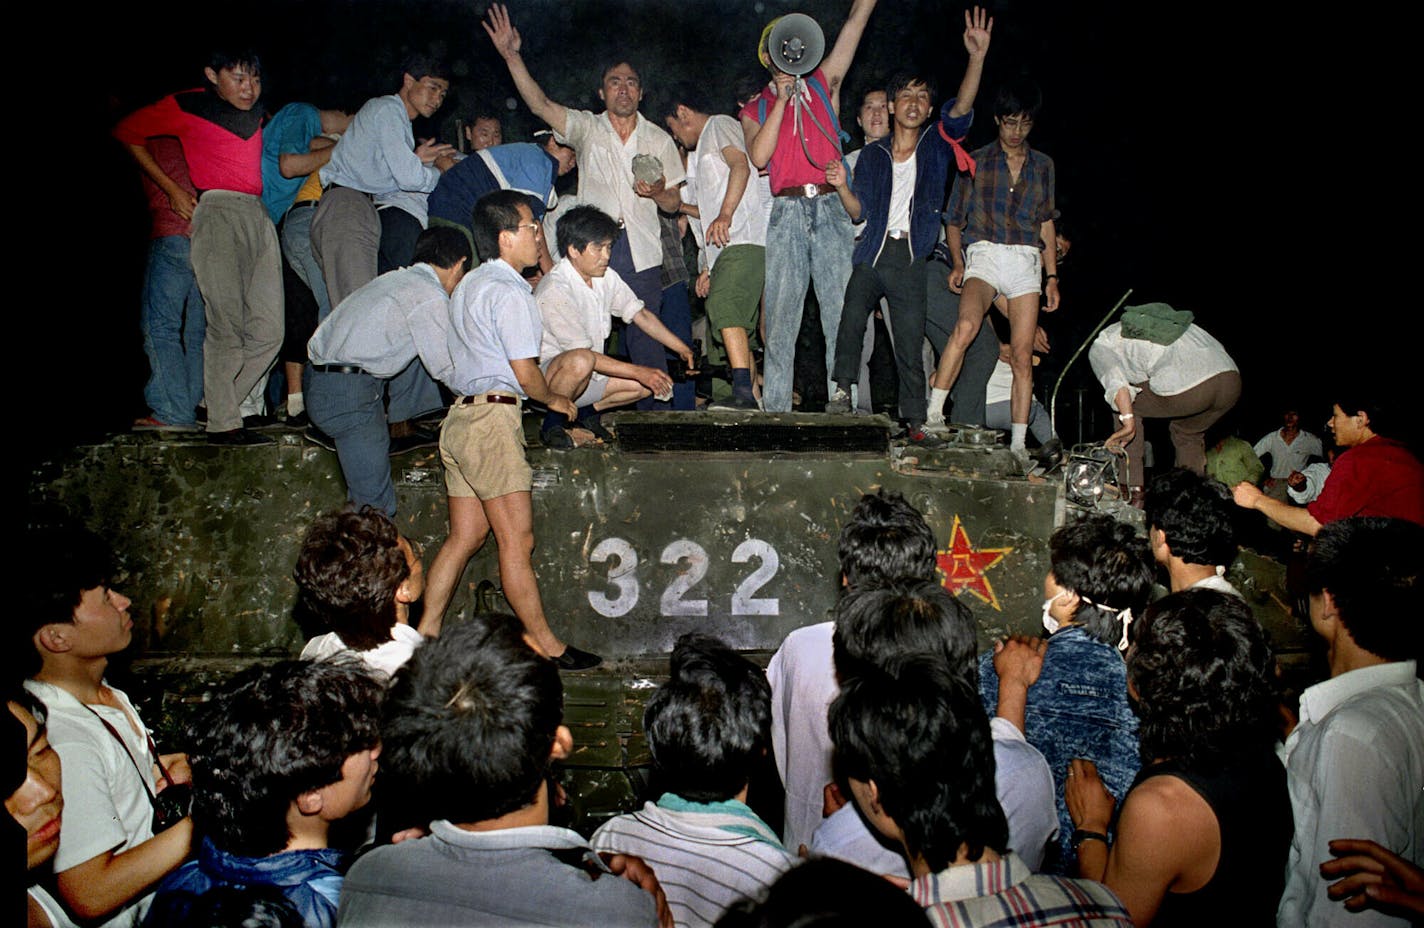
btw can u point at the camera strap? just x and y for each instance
(153, 749)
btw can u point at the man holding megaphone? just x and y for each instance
(793, 130)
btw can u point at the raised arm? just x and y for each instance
(507, 42)
(761, 137)
(837, 63)
(977, 29)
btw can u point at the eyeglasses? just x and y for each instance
(1015, 123)
(538, 229)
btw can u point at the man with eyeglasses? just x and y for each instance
(1001, 213)
(494, 339)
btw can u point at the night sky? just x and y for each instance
(1189, 165)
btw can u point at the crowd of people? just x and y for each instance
(1136, 764)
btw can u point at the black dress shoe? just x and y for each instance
(418, 438)
(319, 438)
(556, 438)
(238, 438)
(597, 428)
(575, 659)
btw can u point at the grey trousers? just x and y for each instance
(345, 237)
(238, 266)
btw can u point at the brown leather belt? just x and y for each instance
(806, 190)
(488, 398)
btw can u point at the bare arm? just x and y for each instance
(977, 29)
(300, 164)
(1295, 518)
(182, 201)
(507, 42)
(719, 232)
(1018, 662)
(109, 881)
(652, 378)
(660, 333)
(954, 243)
(532, 382)
(1049, 234)
(836, 177)
(761, 137)
(837, 63)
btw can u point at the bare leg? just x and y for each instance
(973, 304)
(294, 378)
(620, 392)
(511, 516)
(468, 530)
(1023, 320)
(569, 373)
(739, 353)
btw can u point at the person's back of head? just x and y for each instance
(272, 741)
(827, 893)
(349, 572)
(470, 722)
(1204, 677)
(876, 627)
(710, 723)
(1371, 568)
(232, 906)
(884, 540)
(59, 563)
(442, 247)
(1109, 567)
(918, 733)
(1197, 516)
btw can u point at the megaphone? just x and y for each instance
(796, 44)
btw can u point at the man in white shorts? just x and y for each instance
(1002, 211)
(577, 301)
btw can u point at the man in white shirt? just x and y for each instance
(577, 302)
(1291, 448)
(1355, 761)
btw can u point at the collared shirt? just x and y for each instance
(221, 143)
(1288, 456)
(577, 315)
(606, 176)
(386, 324)
(289, 133)
(309, 879)
(706, 855)
(789, 166)
(712, 174)
(1006, 892)
(376, 155)
(1378, 477)
(1168, 369)
(990, 206)
(493, 320)
(1355, 768)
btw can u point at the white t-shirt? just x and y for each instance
(902, 191)
(385, 658)
(711, 177)
(579, 315)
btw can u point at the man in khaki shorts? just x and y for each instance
(495, 333)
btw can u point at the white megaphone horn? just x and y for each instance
(796, 44)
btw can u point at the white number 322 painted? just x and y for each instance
(623, 578)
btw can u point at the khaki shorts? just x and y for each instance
(482, 447)
(1013, 270)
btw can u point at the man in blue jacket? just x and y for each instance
(899, 193)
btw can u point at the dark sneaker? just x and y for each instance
(1049, 453)
(839, 402)
(319, 438)
(259, 422)
(238, 438)
(597, 428)
(735, 402)
(557, 438)
(576, 659)
(299, 421)
(418, 438)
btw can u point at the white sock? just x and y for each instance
(938, 398)
(1017, 431)
(296, 404)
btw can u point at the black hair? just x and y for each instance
(348, 571)
(902, 79)
(59, 563)
(470, 722)
(747, 85)
(442, 247)
(1105, 561)
(827, 893)
(1372, 566)
(420, 65)
(694, 96)
(885, 539)
(710, 723)
(229, 905)
(275, 733)
(908, 618)
(484, 111)
(919, 732)
(1196, 514)
(494, 213)
(610, 63)
(1018, 97)
(1204, 676)
(233, 58)
(1356, 398)
(583, 226)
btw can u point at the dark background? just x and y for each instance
(1201, 157)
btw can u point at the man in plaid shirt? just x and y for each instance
(1001, 214)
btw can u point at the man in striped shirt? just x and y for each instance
(707, 727)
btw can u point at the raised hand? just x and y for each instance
(978, 25)
(502, 32)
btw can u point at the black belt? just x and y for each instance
(300, 203)
(488, 398)
(338, 369)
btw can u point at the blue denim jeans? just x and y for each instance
(296, 245)
(808, 240)
(173, 325)
(1077, 708)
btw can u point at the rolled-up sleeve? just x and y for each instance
(1110, 366)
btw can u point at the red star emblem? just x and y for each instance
(963, 566)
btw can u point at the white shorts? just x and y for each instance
(1012, 270)
(597, 385)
